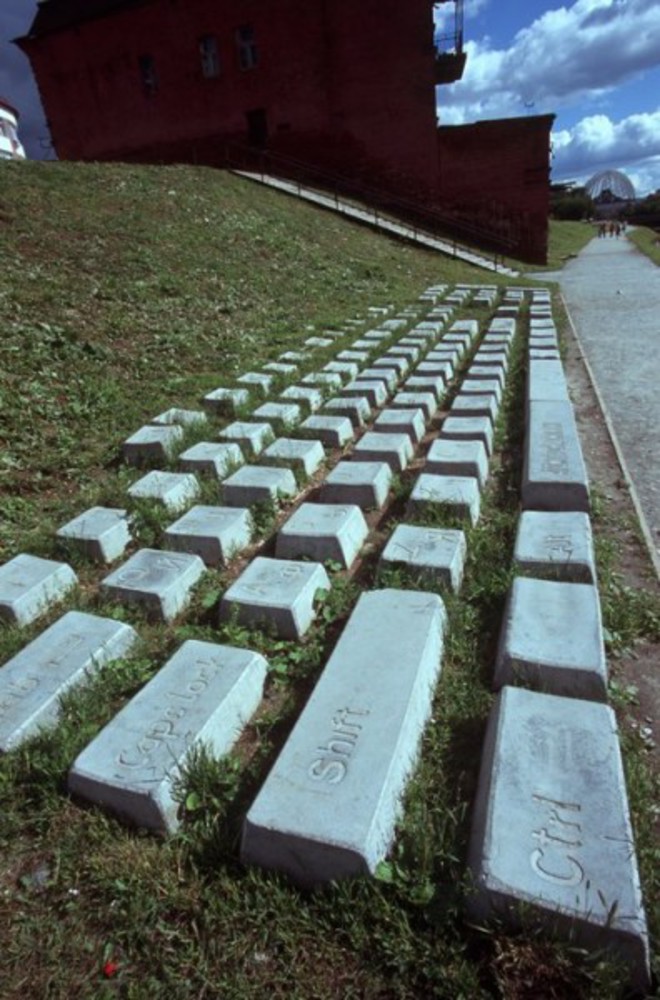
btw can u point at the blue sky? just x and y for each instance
(595, 64)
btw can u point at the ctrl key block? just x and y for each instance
(551, 836)
(328, 808)
(205, 693)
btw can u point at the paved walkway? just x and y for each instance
(613, 296)
(375, 219)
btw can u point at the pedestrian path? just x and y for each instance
(373, 218)
(612, 292)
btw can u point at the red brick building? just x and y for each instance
(346, 85)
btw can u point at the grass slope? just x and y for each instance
(126, 291)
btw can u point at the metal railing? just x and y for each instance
(476, 236)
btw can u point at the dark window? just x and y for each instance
(148, 75)
(208, 51)
(257, 123)
(247, 49)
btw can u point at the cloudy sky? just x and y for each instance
(593, 63)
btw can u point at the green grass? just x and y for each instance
(126, 291)
(646, 240)
(565, 240)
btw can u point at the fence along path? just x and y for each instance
(313, 818)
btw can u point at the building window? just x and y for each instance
(148, 75)
(208, 51)
(247, 49)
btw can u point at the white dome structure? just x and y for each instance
(10, 144)
(610, 185)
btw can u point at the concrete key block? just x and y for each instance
(479, 405)
(215, 534)
(322, 378)
(152, 443)
(409, 353)
(160, 581)
(293, 356)
(374, 446)
(552, 639)
(226, 401)
(100, 533)
(283, 415)
(175, 415)
(334, 432)
(252, 437)
(556, 544)
(257, 483)
(283, 368)
(328, 807)
(388, 377)
(459, 495)
(425, 383)
(479, 373)
(356, 408)
(410, 422)
(259, 381)
(276, 593)
(551, 834)
(497, 359)
(309, 395)
(205, 693)
(543, 355)
(306, 455)
(554, 473)
(318, 342)
(323, 532)
(374, 392)
(424, 401)
(546, 381)
(348, 370)
(438, 369)
(175, 490)
(458, 458)
(212, 457)
(365, 484)
(400, 365)
(434, 554)
(66, 654)
(359, 357)
(30, 585)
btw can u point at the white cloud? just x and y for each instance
(597, 143)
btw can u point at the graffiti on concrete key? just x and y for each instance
(332, 766)
(163, 731)
(558, 841)
(559, 547)
(16, 690)
(554, 447)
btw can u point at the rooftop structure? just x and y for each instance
(10, 144)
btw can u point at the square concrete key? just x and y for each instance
(469, 429)
(277, 594)
(205, 693)
(215, 534)
(363, 483)
(477, 373)
(552, 640)
(424, 401)
(175, 415)
(281, 368)
(411, 353)
(551, 832)
(152, 444)
(212, 458)
(100, 533)
(466, 405)
(330, 379)
(356, 408)
(66, 654)
(374, 392)
(554, 474)
(374, 446)
(294, 356)
(318, 342)
(410, 422)
(435, 555)
(334, 432)
(257, 483)
(175, 490)
(387, 377)
(498, 359)
(464, 326)
(458, 458)
(307, 456)
(282, 415)
(363, 344)
(425, 383)
(329, 805)
(438, 369)
(360, 357)
(546, 381)
(444, 353)
(347, 369)
(459, 495)
(30, 585)
(226, 401)
(258, 381)
(252, 437)
(545, 354)
(308, 395)
(400, 365)
(159, 581)
(482, 387)
(556, 545)
(322, 532)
